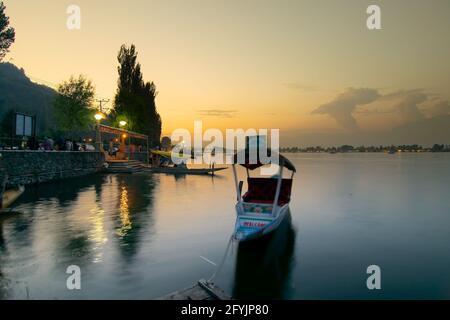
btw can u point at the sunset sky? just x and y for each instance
(307, 67)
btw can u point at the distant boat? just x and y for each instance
(10, 196)
(392, 151)
(181, 168)
(266, 203)
(186, 170)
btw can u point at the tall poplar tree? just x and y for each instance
(135, 99)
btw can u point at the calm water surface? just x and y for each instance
(142, 236)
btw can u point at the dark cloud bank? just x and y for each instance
(425, 119)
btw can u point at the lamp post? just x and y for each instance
(122, 124)
(98, 140)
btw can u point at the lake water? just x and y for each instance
(143, 236)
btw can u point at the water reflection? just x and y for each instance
(3, 281)
(98, 235)
(263, 266)
(179, 177)
(4, 286)
(140, 236)
(65, 192)
(124, 212)
(77, 221)
(135, 211)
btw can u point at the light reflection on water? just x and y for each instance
(98, 234)
(124, 213)
(141, 236)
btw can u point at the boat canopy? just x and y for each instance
(131, 134)
(252, 165)
(169, 154)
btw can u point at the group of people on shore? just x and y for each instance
(115, 147)
(49, 144)
(61, 144)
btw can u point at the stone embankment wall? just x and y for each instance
(30, 167)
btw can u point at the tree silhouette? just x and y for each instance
(135, 99)
(74, 104)
(7, 33)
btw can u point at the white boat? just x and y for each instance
(266, 202)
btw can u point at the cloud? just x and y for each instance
(342, 107)
(439, 108)
(415, 105)
(411, 105)
(407, 104)
(218, 113)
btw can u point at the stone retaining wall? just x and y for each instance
(30, 167)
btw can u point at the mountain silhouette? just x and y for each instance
(19, 94)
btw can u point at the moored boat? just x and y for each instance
(185, 170)
(10, 196)
(266, 202)
(167, 166)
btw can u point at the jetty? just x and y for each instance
(203, 290)
(125, 166)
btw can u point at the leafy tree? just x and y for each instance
(437, 148)
(7, 33)
(135, 99)
(73, 104)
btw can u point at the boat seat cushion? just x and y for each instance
(262, 190)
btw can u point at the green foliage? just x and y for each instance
(438, 148)
(7, 33)
(135, 99)
(73, 104)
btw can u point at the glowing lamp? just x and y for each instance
(98, 116)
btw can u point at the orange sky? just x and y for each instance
(256, 63)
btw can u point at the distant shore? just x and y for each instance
(368, 149)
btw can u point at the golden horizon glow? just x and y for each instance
(252, 64)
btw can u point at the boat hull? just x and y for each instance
(273, 256)
(175, 170)
(10, 196)
(250, 225)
